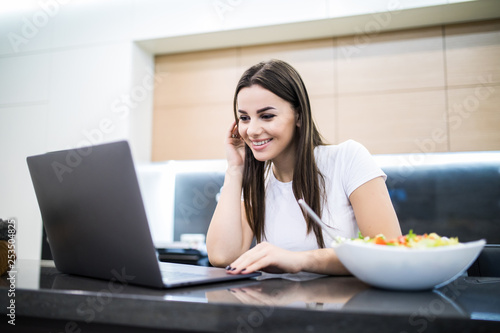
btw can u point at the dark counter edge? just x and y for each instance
(57, 312)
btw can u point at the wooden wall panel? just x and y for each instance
(395, 92)
(391, 61)
(474, 118)
(191, 132)
(473, 53)
(197, 78)
(312, 59)
(473, 76)
(403, 122)
(193, 105)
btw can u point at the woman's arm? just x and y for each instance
(229, 234)
(374, 210)
(374, 214)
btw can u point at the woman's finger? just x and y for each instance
(233, 131)
(253, 260)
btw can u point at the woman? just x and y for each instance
(276, 156)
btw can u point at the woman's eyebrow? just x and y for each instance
(264, 109)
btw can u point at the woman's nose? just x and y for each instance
(254, 129)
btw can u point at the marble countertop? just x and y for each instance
(56, 302)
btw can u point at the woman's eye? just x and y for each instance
(268, 116)
(244, 118)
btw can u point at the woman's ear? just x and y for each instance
(298, 119)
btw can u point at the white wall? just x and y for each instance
(71, 73)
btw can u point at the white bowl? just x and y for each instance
(402, 268)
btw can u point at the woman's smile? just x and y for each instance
(260, 144)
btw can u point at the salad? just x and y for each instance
(410, 240)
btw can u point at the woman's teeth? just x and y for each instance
(260, 143)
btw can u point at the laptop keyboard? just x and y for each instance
(168, 275)
(167, 272)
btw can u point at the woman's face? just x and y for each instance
(267, 124)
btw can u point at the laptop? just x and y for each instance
(95, 220)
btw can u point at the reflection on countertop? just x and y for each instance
(466, 297)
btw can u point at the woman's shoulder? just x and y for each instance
(340, 155)
(341, 148)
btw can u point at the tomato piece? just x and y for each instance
(380, 241)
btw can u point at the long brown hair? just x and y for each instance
(284, 81)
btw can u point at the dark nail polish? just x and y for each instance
(228, 268)
(233, 268)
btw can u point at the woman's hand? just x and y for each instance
(235, 147)
(272, 259)
(268, 258)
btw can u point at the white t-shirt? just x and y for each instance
(345, 167)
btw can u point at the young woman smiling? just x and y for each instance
(276, 156)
